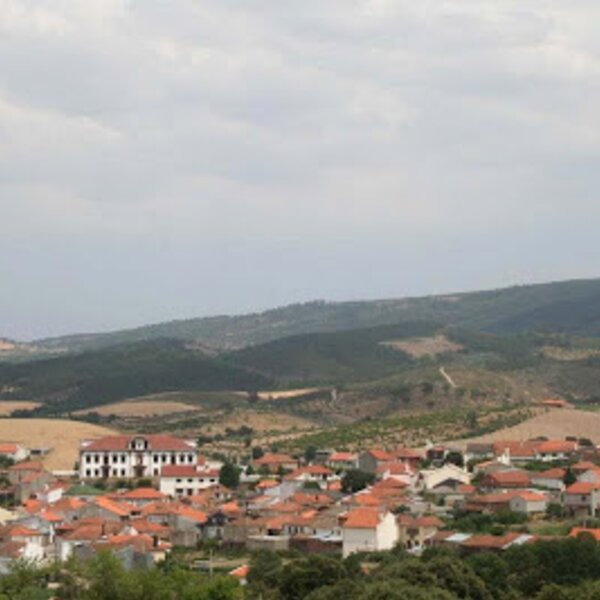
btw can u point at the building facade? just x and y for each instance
(134, 456)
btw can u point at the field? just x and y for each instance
(139, 408)
(430, 346)
(553, 424)
(286, 394)
(61, 435)
(8, 406)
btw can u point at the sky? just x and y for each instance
(164, 159)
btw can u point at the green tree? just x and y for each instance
(355, 480)
(299, 578)
(229, 476)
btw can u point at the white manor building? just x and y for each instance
(133, 456)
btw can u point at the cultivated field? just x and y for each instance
(260, 421)
(61, 435)
(553, 424)
(7, 406)
(286, 394)
(418, 348)
(140, 408)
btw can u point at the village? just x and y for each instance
(142, 496)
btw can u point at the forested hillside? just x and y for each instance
(571, 307)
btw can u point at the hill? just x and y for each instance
(98, 377)
(562, 307)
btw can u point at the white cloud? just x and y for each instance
(378, 121)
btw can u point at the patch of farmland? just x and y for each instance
(420, 347)
(140, 408)
(8, 406)
(554, 424)
(61, 435)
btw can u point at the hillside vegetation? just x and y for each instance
(563, 307)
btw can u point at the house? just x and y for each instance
(368, 530)
(396, 470)
(528, 502)
(479, 451)
(313, 474)
(370, 460)
(551, 479)
(342, 461)
(535, 450)
(14, 451)
(447, 475)
(177, 481)
(507, 480)
(137, 456)
(582, 498)
(417, 532)
(488, 503)
(274, 463)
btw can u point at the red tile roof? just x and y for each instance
(190, 471)
(582, 488)
(380, 455)
(143, 494)
(342, 457)
(120, 443)
(274, 459)
(7, 448)
(508, 479)
(30, 465)
(577, 531)
(362, 518)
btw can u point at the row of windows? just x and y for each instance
(98, 473)
(212, 480)
(115, 458)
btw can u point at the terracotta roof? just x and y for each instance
(142, 525)
(407, 454)
(120, 443)
(8, 448)
(66, 504)
(51, 517)
(93, 529)
(11, 531)
(241, 572)
(342, 457)
(490, 541)
(118, 508)
(362, 518)
(143, 494)
(394, 468)
(29, 465)
(509, 478)
(266, 484)
(310, 470)
(368, 499)
(584, 466)
(190, 471)
(557, 446)
(582, 487)
(380, 455)
(274, 459)
(530, 496)
(556, 473)
(577, 531)
(193, 515)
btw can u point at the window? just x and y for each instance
(88, 458)
(190, 458)
(96, 459)
(88, 472)
(123, 457)
(122, 472)
(190, 480)
(115, 458)
(178, 481)
(164, 458)
(155, 458)
(155, 472)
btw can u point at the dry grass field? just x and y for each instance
(553, 424)
(7, 406)
(260, 422)
(418, 348)
(61, 435)
(285, 394)
(140, 408)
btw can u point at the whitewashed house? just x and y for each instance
(368, 530)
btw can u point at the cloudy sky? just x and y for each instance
(175, 158)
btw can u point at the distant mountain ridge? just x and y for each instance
(571, 307)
